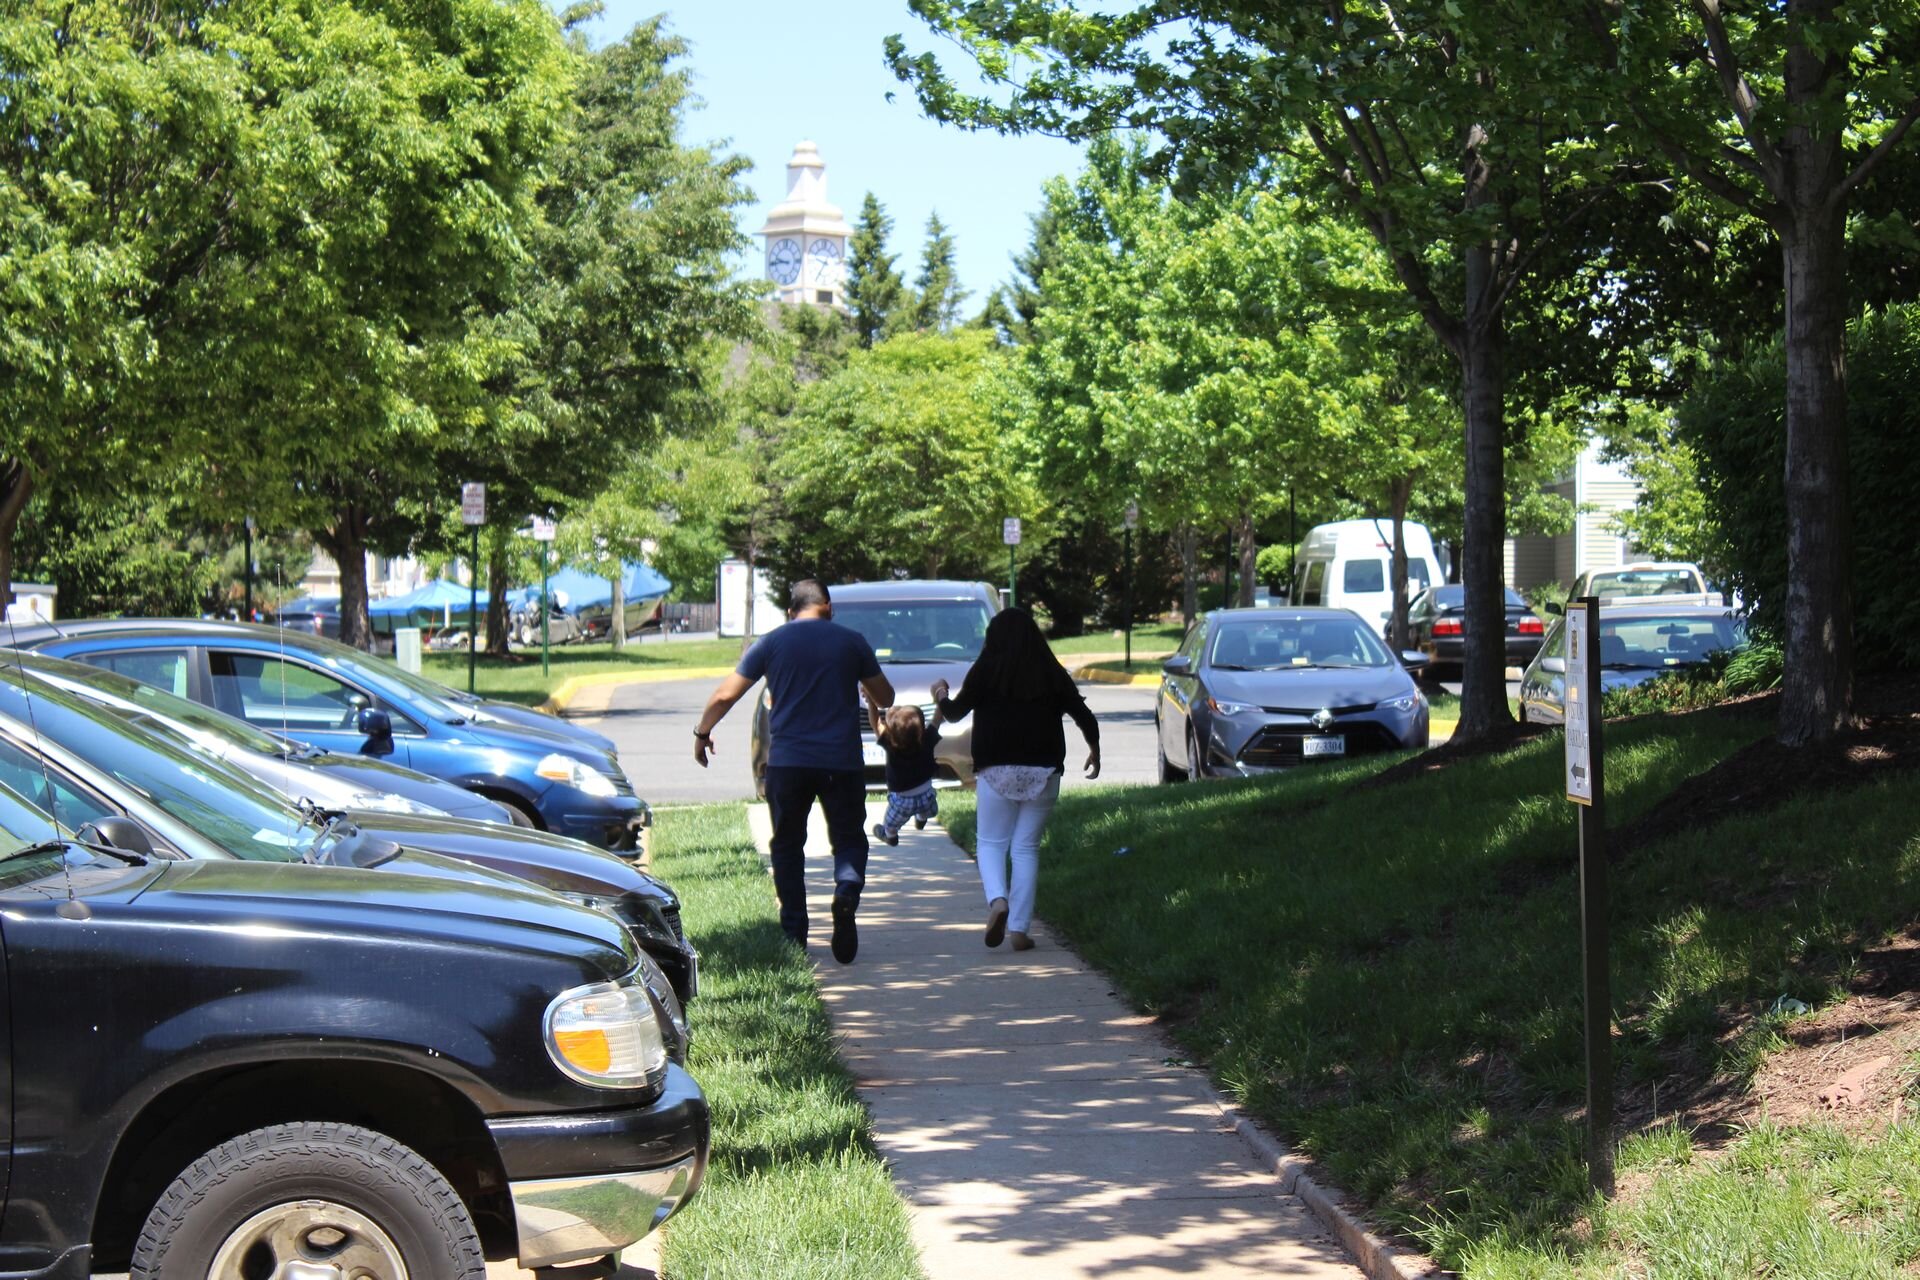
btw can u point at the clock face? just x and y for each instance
(824, 255)
(783, 261)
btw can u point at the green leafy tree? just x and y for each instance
(901, 461)
(937, 292)
(1781, 113)
(1446, 131)
(875, 289)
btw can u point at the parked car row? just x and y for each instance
(273, 1009)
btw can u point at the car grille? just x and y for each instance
(1354, 710)
(622, 784)
(672, 915)
(1279, 745)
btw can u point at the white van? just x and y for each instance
(1349, 565)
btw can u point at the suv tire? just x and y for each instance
(322, 1193)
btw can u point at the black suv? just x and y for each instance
(237, 1068)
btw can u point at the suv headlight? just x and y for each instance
(606, 1035)
(566, 769)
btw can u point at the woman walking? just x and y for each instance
(1017, 692)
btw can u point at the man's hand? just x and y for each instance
(702, 748)
(1093, 763)
(940, 689)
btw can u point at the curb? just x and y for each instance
(570, 688)
(1095, 675)
(1380, 1260)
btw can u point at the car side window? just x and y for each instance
(287, 697)
(1364, 575)
(48, 789)
(162, 668)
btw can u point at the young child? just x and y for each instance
(909, 741)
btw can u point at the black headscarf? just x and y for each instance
(1015, 662)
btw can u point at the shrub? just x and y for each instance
(1735, 421)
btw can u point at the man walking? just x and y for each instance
(814, 668)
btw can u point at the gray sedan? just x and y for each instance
(1252, 690)
(1637, 643)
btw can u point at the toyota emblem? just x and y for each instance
(1323, 719)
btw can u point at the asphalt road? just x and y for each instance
(652, 724)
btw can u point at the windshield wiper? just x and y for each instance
(1630, 666)
(907, 662)
(34, 850)
(64, 847)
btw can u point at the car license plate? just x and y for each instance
(1331, 746)
(872, 754)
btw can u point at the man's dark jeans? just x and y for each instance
(791, 792)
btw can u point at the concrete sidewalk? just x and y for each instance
(1032, 1122)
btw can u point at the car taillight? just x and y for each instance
(1531, 627)
(1446, 626)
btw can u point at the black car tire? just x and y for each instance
(517, 813)
(1196, 762)
(319, 1192)
(1167, 772)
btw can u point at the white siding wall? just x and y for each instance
(1602, 487)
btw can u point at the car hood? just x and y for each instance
(367, 773)
(913, 681)
(530, 718)
(530, 738)
(553, 862)
(1307, 690)
(411, 894)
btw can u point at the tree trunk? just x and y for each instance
(1249, 559)
(1399, 493)
(1189, 574)
(1816, 694)
(618, 629)
(16, 486)
(1483, 680)
(347, 543)
(497, 597)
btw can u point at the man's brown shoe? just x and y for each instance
(1020, 941)
(996, 922)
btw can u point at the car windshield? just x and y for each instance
(1656, 643)
(918, 630)
(1645, 582)
(225, 806)
(1290, 643)
(21, 824)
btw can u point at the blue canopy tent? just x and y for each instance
(589, 596)
(439, 602)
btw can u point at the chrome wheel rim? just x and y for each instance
(308, 1240)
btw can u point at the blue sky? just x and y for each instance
(772, 74)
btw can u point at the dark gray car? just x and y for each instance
(1252, 690)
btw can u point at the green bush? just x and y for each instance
(1735, 421)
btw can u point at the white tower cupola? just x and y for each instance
(806, 237)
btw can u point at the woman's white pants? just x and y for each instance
(1010, 830)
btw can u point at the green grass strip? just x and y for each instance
(796, 1190)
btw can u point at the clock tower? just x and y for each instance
(806, 237)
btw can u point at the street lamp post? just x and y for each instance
(1131, 518)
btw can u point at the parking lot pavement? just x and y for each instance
(652, 725)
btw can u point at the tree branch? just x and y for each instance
(1872, 159)
(1746, 104)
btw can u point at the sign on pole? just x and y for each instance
(1587, 787)
(1579, 698)
(1010, 531)
(473, 504)
(543, 529)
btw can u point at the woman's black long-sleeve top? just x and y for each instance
(1007, 731)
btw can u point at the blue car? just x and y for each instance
(546, 773)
